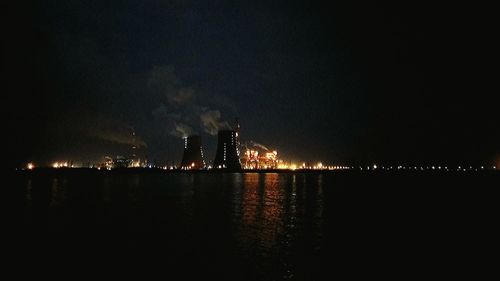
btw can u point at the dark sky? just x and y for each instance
(341, 83)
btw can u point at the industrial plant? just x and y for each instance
(231, 155)
(228, 155)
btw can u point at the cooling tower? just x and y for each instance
(227, 155)
(193, 154)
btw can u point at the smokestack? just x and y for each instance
(227, 156)
(193, 154)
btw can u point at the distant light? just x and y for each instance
(30, 166)
(192, 164)
(482, 167)
(55, 165)
(374, 167)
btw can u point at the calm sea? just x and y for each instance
(250, 226)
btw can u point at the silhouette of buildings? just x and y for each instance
(192, 158)
(227, 155)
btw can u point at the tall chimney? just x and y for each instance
(193, 154)
(227, 156)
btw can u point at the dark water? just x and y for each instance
(251, 226)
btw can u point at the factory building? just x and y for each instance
(255, 159)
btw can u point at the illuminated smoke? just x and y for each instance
(181, 130)
(211, 122)
(180, 109)
(256, 144)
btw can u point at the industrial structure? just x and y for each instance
(255, 159)
(228, 152)
(192, 158)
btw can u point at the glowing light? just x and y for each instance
(374, 167)
(30, 166)
(55, 165)
(192, 164)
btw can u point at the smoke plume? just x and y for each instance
(181, 130)
(181, 108)
(256, 144)
(211, 122)
(113, 131)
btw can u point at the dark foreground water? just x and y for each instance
(251, 226)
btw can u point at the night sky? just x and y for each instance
(342, 83)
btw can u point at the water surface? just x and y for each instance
(244, 226)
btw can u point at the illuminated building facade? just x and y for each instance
(253, 159)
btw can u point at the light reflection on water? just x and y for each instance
(260, 217)
(248, 226)
(263, 219)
